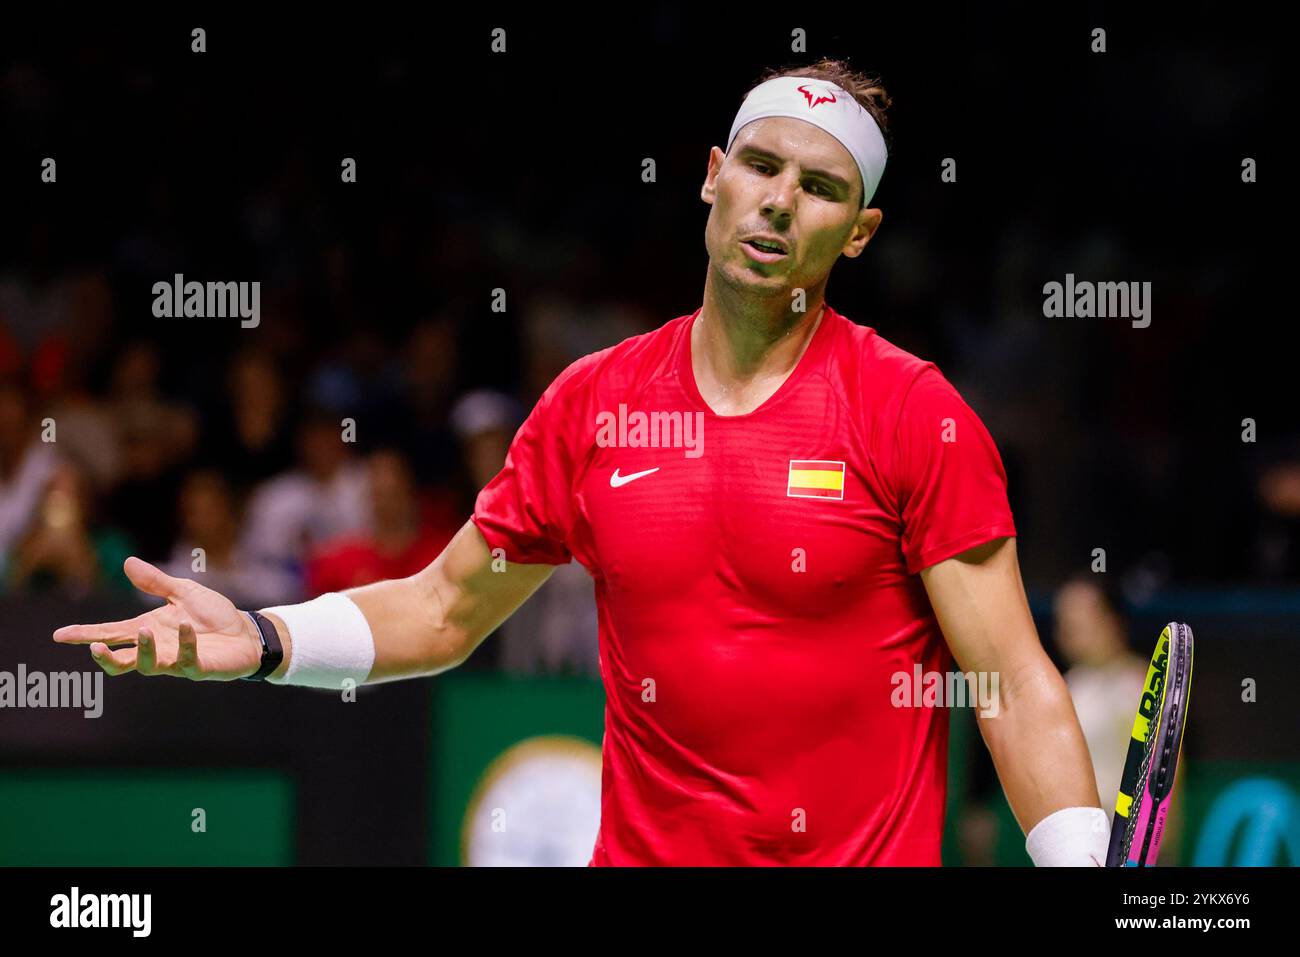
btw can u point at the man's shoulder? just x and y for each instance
(876, 353)
(896, 390)
(874, 371)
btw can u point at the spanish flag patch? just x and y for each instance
(812, 479)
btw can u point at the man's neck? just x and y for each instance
(742, 356)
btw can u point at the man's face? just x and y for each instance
(793, 181)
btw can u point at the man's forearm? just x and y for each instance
(1038, 747)
(410, 640)
(422, 625)
(412, 634)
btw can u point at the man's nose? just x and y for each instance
(779, 200)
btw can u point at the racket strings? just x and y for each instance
(1171, 741)
(1144, 771)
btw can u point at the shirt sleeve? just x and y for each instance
(951, 483)
(527, 509)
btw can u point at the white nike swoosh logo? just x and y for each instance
(616, 480)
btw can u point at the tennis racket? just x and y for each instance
(1144, 790)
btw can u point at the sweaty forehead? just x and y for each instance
(796, 140)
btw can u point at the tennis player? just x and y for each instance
(783, 513)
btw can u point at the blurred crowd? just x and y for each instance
(276, 482)
(226, 453)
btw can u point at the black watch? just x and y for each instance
(272, 650)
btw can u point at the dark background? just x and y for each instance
(522, 171)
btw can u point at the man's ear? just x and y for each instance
(709, 190)
(873, 223)
(870, 222)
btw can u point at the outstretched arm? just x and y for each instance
(421, 625)
(433, 621)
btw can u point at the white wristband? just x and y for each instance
(1070, 837)
(330, 642)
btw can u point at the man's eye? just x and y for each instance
(822, 190)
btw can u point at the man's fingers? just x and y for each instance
(113, 662)
(146, 657)
(188, 658)
(150, 579)
(143, 658)
(108, 632)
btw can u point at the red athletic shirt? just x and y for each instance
(757, 590)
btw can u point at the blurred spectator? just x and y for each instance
(135, 395)
(86, 432)
(61, 369)
(140, 447)
(1104, 676)
(36, 298)
(485, 421)
(144, 500)
(250, 436)
(1277, 545)
(403, 541)
(209, 520)
(327, 496)
(413, 417)
(26, 465)
(555, 630)
(65, 548)
(355, 380)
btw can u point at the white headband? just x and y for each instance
(824, 105)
